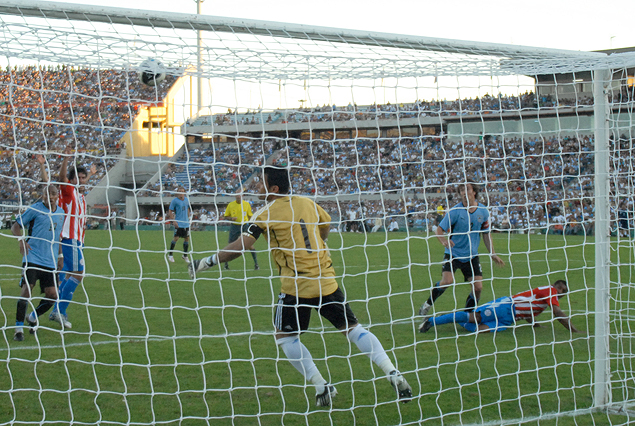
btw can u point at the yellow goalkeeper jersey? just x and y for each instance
(292, 225)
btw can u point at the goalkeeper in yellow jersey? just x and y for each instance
(296, 228)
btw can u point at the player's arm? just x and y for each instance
(64, 168)
(324, 231)
(443, 237)
(236, 248)
(44, 176)
(489, 245)
(559, 314)
(531, 321)
(23, 244)
(60, 258)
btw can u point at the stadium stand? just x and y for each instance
(46, 109)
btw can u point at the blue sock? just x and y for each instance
(66, 293)
(19, 323)
(458, 317)
(63, 278)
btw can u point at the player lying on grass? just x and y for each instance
(504, 312)
(296, 228)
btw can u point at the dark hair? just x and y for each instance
(475, 187)
(75, 170)
(562, 282)
(278, 176)
(47, 188)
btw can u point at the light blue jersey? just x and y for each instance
(465, 230)
(498, 315)
(43, 229)
(181, 211)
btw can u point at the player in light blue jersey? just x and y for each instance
(179, 212)
(39, 231)
(460, 232)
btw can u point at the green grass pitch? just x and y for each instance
(150, 346)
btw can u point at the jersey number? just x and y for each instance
(305, 234)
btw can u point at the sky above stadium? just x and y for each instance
(562, 24)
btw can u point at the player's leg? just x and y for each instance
(253, 255)
(473, 273)
(175, 238)
(475, 294)
(234, 233)
(458, 317)
(289, 320)
(48, 286)
(186, 244)
(73, 275)
(447, 278)
(66, 291)
(335, 309)
(27, 282)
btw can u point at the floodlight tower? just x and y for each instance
(199, 62)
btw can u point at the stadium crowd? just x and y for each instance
(420, 108)
(50, 108)
(531, 182)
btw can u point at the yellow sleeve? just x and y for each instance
(228, 210)
(323, 216)
(261, 219)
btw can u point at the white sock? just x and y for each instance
(212, 260)
(368, 343)
(32, 316)
(300, 357)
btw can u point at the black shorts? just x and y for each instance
(235, 230)
(292, 314)
(35, 273)
(470, 269)
(182, 232)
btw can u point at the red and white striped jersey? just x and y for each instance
(531, 303)
(74, 204)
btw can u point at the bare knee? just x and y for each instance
(446, 279)
(50, 293)
(478, 284)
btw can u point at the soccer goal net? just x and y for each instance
(384, 132)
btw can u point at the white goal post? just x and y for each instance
(377, 125)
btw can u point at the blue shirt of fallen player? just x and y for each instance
(181, 209)
(43, 230)
(465, 230)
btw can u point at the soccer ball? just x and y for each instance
(151, 72)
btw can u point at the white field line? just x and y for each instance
(16, 277)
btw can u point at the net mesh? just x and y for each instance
(379, 130)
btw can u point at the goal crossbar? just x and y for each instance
(116, 15)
